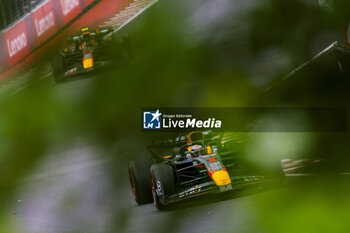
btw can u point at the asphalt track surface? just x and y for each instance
(80, 188)
(77, 189)
(72, 191)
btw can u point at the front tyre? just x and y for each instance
(58, 67)
(122, 52)
(163, 184)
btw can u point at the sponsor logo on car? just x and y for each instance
(190, 191)
(70, 72)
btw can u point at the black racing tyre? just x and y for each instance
(58, 66)
(163, 184)
(140, 181)
(122, 52)
(126, 47)
(343, 58)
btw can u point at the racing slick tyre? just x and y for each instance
(140, 181)
(343, 59)
(163, 184)
(122, 52)
(58, 67)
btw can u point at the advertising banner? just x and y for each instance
(44, 22)
(17, 44)
(69, 9)
(88, 2)
(3, 54)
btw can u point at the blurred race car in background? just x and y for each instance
(194, 165)
(89, 51)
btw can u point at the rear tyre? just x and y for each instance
(58, 67)
(122, 52)
(163, 184)
(343, 59)
(140, 181)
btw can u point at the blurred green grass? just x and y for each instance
(173, 66)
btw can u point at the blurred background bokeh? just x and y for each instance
(64, 148)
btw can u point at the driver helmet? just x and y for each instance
(86, 37)
(196, 136)
(85, 32)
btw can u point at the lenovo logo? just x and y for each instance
(16, 45)
(44, 24)
(68, 6)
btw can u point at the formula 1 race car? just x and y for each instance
(90, 51)
(191, 166)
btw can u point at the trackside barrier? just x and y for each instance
(36, 28)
